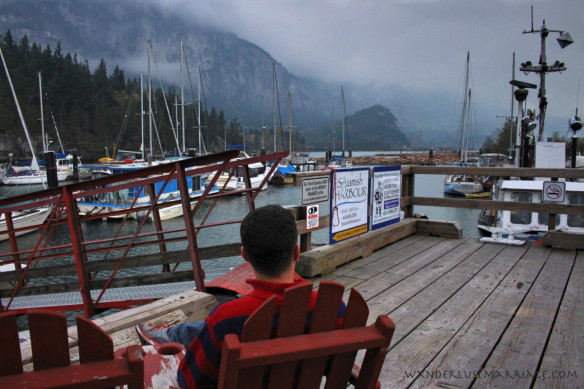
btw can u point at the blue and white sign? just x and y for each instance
(385, 196)
(349, 203)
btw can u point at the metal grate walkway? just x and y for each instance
(113, 294)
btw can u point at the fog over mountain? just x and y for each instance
(236, 73)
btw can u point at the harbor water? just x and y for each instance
(233, 207)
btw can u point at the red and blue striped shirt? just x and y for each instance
(200, 367)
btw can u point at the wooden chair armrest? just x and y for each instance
(103, 374)
(355, 373)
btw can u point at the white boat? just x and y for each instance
(32, 177)
(515, 227)
(21, 219)
(460, 184)
(257, 172)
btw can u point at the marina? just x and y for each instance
(467, 264)
(460, 306)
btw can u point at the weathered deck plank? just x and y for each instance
(466, 352)
(412, 300)
(395, 258)
(401, 271)
(523, 343)
(414, 352)
(564, 355)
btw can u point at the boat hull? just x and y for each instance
(24, 219)
(32, 179)
(462, 188)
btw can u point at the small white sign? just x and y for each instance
(315, 190)
(312, 217)
(553, 192)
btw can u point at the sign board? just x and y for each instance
(312, 217)
(315, 190)
(553, 192)
(385, 196)
(349, 204)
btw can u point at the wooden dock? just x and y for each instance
(467, 314)
(475, 315)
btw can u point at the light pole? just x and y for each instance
(564, 40)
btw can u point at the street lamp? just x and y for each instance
(564, 40)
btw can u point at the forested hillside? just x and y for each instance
(99, 109)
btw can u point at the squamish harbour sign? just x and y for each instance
(354, 191)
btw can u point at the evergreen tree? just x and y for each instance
(117, 80)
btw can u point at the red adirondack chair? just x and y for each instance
(299, 357)
(50, 355)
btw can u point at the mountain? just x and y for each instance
(235, 73)
(373, 128)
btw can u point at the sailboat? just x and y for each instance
(34, 175)
(341, 160)
(463, 184)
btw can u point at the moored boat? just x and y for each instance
(23, 219)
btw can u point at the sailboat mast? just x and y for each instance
(290, 121)
(262, 112)
(182, 95)
(464, 118)
(34, 163)
(344, 118)
(150, 104)
(467, 128)
(42, 114)
(142, 147)
(199, 110)
(512, 110)
(274, 101)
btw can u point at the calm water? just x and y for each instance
(235, 207)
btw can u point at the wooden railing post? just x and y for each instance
(407, 189)
(305, 238)
(552, 216)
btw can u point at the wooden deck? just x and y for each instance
(467, 314)
(475, 315)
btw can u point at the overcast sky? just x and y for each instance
(418, 44)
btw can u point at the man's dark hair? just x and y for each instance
(269, 236)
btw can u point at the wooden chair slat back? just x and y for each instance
(259, 325)
(49, 340)
(292, 321)
(50, 355)
(325, 317)
(94, 343)
(342, 364)
(10, 357)
(326, 310)
(295, 305)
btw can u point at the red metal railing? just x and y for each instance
(64, 201)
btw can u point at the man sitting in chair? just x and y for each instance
(270, 244)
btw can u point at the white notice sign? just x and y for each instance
(315, 190)
(385, 196)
